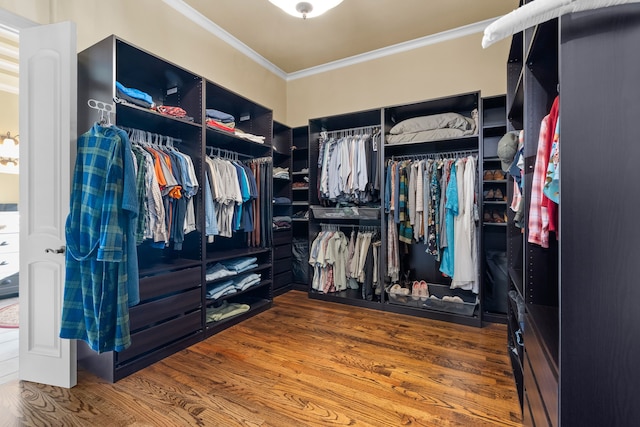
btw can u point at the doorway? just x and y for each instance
(9, 199)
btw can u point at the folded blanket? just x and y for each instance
(220, 116)
(134, 93)
(537, 12)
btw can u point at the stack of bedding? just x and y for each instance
(433, 127)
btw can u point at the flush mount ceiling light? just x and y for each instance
(306, 9)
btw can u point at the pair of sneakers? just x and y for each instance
(419, 290)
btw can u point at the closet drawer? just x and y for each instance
(282, 237)
(165, 308)
(283, 251)
(537, 409)
(281, 265)
(541, 369)
(161, 335)
(155, 286)
(282, 279)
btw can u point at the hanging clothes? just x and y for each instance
(166, 184)
(539, 202)
(260, 234)
(339, 263)
(433, 201)
(465, 271)
(347, 168)
(101, 279)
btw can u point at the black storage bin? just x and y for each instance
(497, 285)
(300, 260)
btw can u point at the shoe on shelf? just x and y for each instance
(497, 218)
(487, 216)
(498, 195)
(488, 175)
(490, 195)
(424, 290)
(415, 290)
(498, 175)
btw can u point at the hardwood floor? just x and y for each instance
(302, 363)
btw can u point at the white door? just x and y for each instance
(48, 85)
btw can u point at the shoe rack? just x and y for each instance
(494, 211)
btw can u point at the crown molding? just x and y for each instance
(432, 39)
(10, 24)
(201, 20)
(204, 22)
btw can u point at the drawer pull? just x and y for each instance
(4, 263)
(4, 243)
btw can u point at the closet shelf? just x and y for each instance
(153, 113)
(464, 308)
(300, 173)
(300, 188)
(165, 265)
(497, 224)
(237, 143)
(221, 255)
(257, 306)
(494, 202)
(493, 125)
(516, 278)
(495, 181)
(263, 283)
(346, 212)
(437, 141)
(253, 270)
(545, 320)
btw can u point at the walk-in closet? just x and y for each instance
(234, 213)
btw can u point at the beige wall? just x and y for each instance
(9, 123)
(448, 68)
(159, 29)
(35, 10)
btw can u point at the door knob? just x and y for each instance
(55, 251)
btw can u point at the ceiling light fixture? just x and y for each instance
(306, 9)
(9, 146)
(9, 153)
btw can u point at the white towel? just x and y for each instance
(537, 12)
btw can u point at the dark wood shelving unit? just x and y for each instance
(172, 310)
(575, 336)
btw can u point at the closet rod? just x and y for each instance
(336, 225)
(222, 151)
(372, 129)
(262, 160)
(168, 139)
(443, 154)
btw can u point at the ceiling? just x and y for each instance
(353, 27)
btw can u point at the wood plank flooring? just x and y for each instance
(302, 363)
